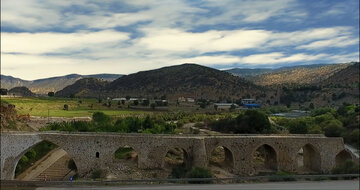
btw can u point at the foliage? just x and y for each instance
(349, 167)
(179, 172)
(51, 94)
(123, 152)
(98, 173)
(103, 123)
(250, 121)
(33, 155)
(199, 172)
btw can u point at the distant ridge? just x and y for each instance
(189, 80)
(52, 84)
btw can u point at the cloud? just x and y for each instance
(279, 57)
(38, 43)
(210, 41)
(341, 41)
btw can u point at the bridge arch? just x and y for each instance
(127, 153)
(176, 157)
(342, 157)
(308, 159)
(55, 147)
(221, 156)
(264, 159)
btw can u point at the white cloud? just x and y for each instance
(279, 57)
(36, 43)
(341, 41)
(181, 41)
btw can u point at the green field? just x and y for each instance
(44, 106)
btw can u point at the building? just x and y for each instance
(248, 101)
(223, 106)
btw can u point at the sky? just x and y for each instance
(42, 38)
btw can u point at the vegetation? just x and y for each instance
(250, 121)
(33, 155)
(199, 172)
(104, 123)
(42, 106)
(341, 122)
(349, 167)
(98, 173)
(123, 153)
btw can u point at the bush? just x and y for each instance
(100, 117)
(333, 130)
(123, 153)
(179, 172)
(282, 177)
(349, 167)
(98, 173)
(199, 172)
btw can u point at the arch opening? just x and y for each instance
(176, 157)
(308, 159)
(265, 160)
(126, 154)
(221, 157)
(45, 161)
(342, 157)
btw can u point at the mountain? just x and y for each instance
(298, 75)
(189, 80)
(349, 76)
(20, 91)
(248, 72)
(86, 87)
(53, 84)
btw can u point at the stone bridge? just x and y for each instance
(96, 150)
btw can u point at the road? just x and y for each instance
(301, 185)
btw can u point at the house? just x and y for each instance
(192, 100)
(223, 106)
(119, 99)
(248, 101)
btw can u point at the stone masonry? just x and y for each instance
(96, 150)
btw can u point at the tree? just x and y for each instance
(252, 121)
(51, 94)
(232, 107)
(127, 98)
(145, 102)
(153, 105)
(311, 106)
(3, 91)
(136, 102)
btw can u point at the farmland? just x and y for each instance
(54, 107)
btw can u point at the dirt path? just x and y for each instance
(42, 164)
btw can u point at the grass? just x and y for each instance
(42, 106)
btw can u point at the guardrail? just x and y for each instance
(182, 180)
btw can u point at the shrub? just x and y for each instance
(333, 130)
(179, 172)
(199, 172)
(98, 173)
(349, 167)
(282, 177)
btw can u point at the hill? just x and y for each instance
(189, 80)
(248, 72)
(21, 91)
(87, 87)
(298, 75)
(347, 77)
(53, 84)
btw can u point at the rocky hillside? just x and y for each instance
(189, 80)
(347, 77)
(53, 84)
(87, 87)
(298, 75)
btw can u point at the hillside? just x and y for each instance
(248, 72)
(53, 84)
(189, 80)
(347, 77)
(20, 91)
(87, 87)
(298, 75)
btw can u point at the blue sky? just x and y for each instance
(41, 38)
